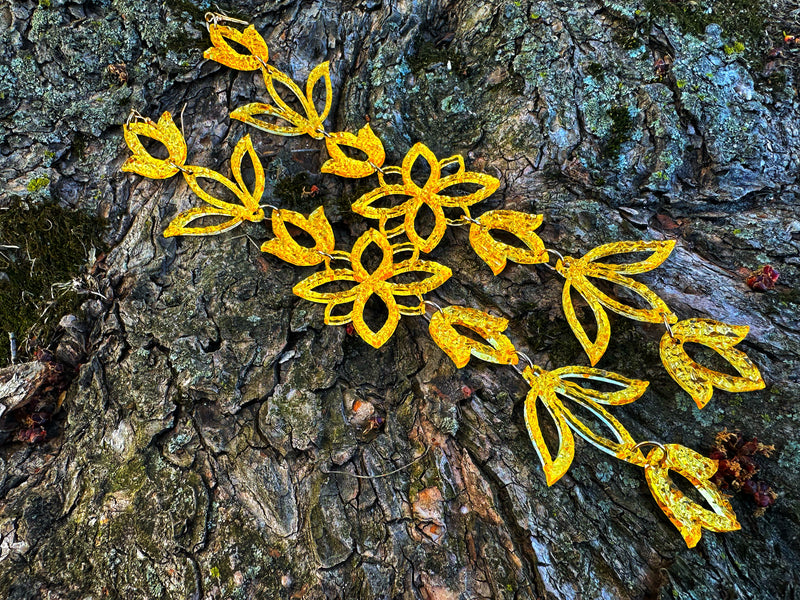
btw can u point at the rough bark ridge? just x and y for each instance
(193, 459)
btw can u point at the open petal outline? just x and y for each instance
(700, 381)
(577, 272)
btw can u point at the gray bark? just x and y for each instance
(211, 403)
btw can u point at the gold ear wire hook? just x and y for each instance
(135, 114)
(214, 18)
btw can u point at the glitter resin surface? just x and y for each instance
(577, 272)
(377, 282)
(459, 347)
(552, 388)
(344, 166)
(234, 214)
(431, 193)
(286, 248)
(142, 162)
(700, 381)
(495, 253)
(689, 517)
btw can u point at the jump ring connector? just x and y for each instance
(376, 167)
(658, 445)
(269, 206)
(433, 304)
(180, 168)
(135, 114)
(323, 132)
(526, 358)
(267, 68)
(667, 325)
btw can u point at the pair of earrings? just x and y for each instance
(557, 390)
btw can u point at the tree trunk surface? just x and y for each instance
(213, 438)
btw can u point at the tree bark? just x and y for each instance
(219, 441)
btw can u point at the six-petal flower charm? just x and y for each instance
(377, 282)
(429, 194)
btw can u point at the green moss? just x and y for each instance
(741, 20)
(45, 3)
(429, 54)
(38, 183)
(596, 70)
(621, 127)
(52, 245)
(736, 48)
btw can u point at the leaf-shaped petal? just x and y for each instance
(577, 273)
(385, 269)
(594, 349)
(459, 348)
(223, 53)
(689, 517)
(249, 199)
(487, 185)
(660, 252)
(344, 166)
(700, 381)
(544, 390)
(657, 312)
(364, 205)
(439, 274)
(437, 233)
(315, 119)
(286, 248)
(495, 253)
(310, 123)
(142, 162)
(623, 445)
(180, 224)
(420, 151)
(248, 210)
(249, 112)
(380, 337)
(572, 377)
(306, 289)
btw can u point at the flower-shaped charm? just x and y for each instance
(377, 282)
(222, 52)
(577, 272)
(309, 123)
(429, 194)
(285, 247)
(233, 214)
(142, 162)
(689, 517)
(698, 380)
(458, 347)
(342, 165)
(495, 253)
(552, 387)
